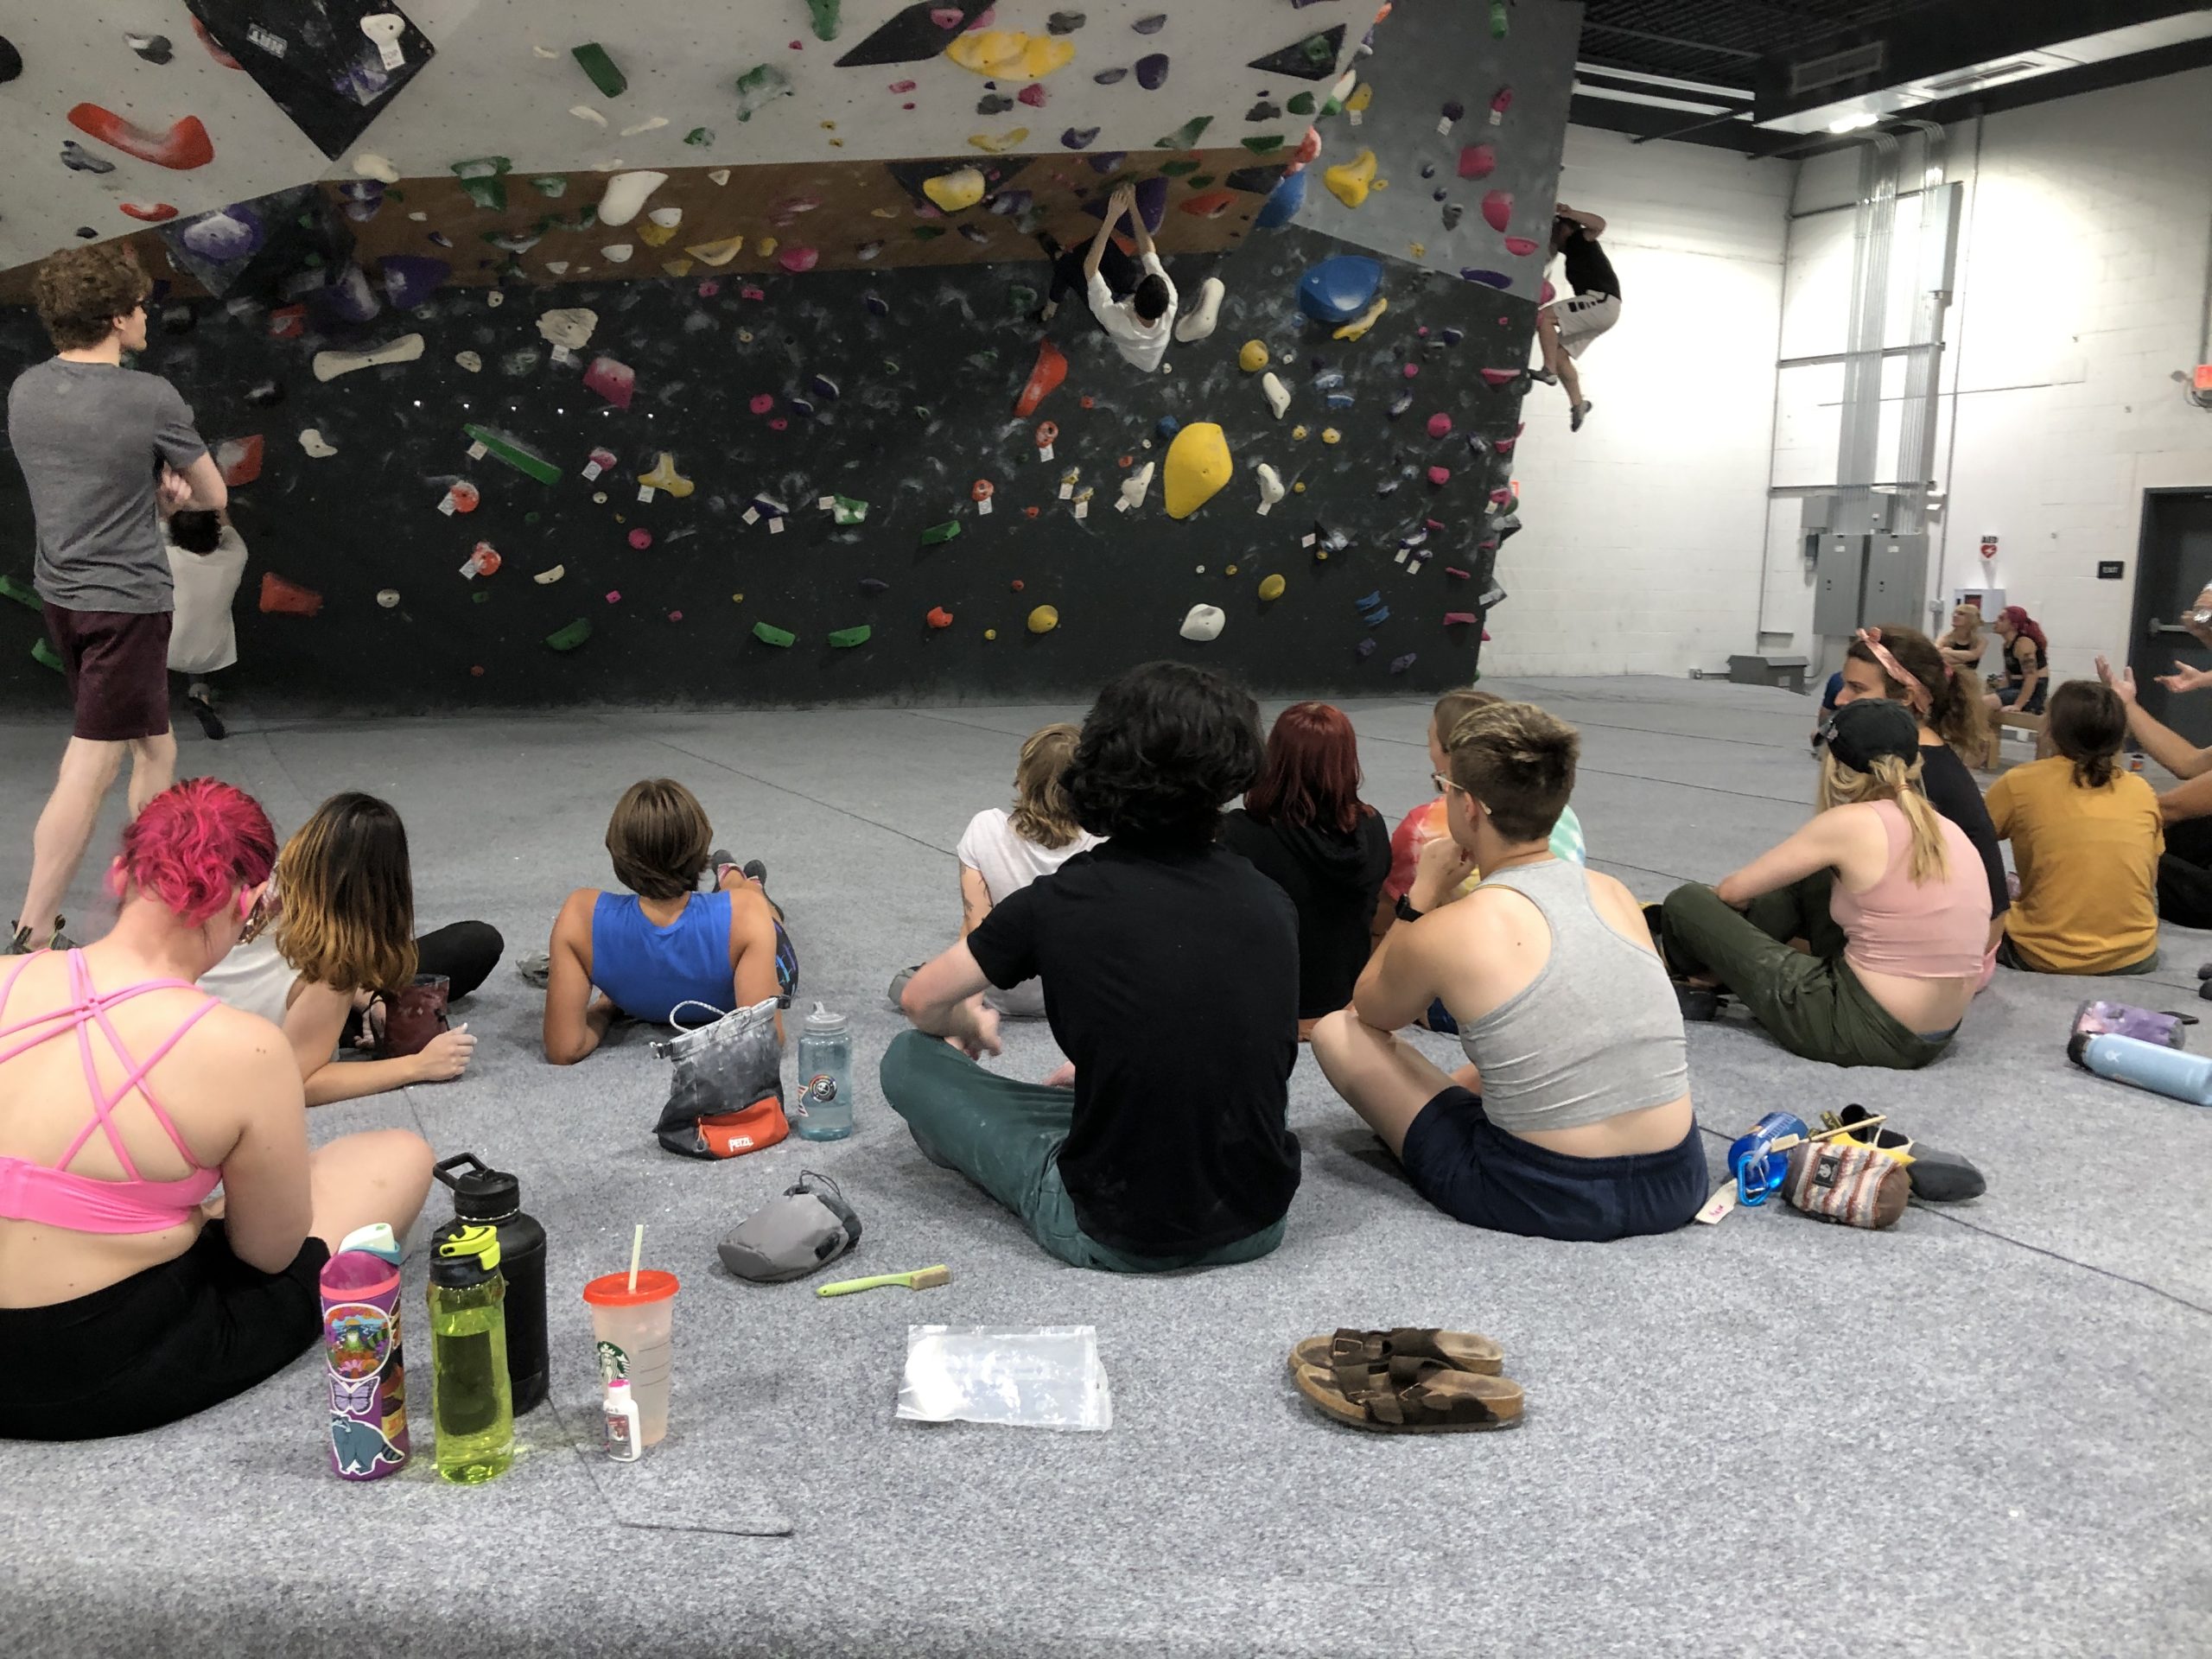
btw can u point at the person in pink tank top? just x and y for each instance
(1889, 896)
(129, 1294)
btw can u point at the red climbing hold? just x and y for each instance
(287, 322)
(1521, 246)
(185, 145)
(240, 461)
(1439, 476)
(1044, 380)
(280, 597)
(641, 538)
(1212, 203)
(213, 50)
(939, 618)
(1477, 161)
(1503, 446)
(1498, 209)
(1501, 377)
(1017, 584)
(153, 215)
(1461, 619)
(612, 380)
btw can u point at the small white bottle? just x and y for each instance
(618, 1412)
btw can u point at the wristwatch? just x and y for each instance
(1405, 912)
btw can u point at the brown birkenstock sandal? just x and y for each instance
(1458, 1351)
(1412, 1396)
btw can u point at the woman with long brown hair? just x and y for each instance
(336, 939)
(1886, 893)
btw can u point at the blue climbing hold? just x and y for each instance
(1169, 426)
(1339, 290)
(1487, 279)
(1283, 201)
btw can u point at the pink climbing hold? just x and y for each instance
(902, 87)
(1503, 102)
(1521, 246)
(762, 402)
(1458, 574)
(1461, 619)
(1439, 476)
(1504, 446)
(641, 538)
(749, 292)
(780, 423)
(1501, 377)
(1545, 296)
(1034, 95)
(796, 260)
(1477, 161)
(947, 16)
(1440, 424)
(1498, 209)
(1501, 496)
(612, 380)
(1412, 368)
(614, 596)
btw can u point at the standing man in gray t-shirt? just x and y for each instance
(98, 444)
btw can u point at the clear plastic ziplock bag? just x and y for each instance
(1040, 1376)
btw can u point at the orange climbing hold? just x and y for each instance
(283, 598)
(1212, 203)
(185, 145)
(157, 214)
(240, 461)
(1044, 380)
(939, 618)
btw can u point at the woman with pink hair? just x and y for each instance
(2026, 682)
(129, 1296)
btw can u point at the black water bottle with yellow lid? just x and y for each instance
(494, 1197)
(470, 1400)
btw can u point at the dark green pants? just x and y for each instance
(1813, 1005)
(1005, 1135)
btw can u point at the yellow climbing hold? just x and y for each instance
(954, 191)
(1198, 465)
(1298, 434)
(717, 253)
(1330, 435)
(737, 599)
(1363, 95)
(1252, 358)
(1011, 53)
(1044, 619)
(1357, 327)
(676, 267)
(998, 143)
(1272, 587)
(990, 633)
(665, 478)
(1350, 181)
(654, 236)
(884, 213)
(1417, 249)
(767, 246)
(1229, 570)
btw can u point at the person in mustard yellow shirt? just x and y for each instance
(2086, 838)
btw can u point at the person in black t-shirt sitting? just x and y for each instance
(1566, 325)
(1170, 968)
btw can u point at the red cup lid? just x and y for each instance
(612, 1290)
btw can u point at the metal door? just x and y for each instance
(2173, 565)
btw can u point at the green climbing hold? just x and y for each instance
(846, 639)
(699, 138)
(1320, 49)
(610, 81)
(1186, 136)
(1200, 181)
(549, 184)
(936, 535)
(569, 638)
(1499, 26)
(10, 589)
(531, 518)
(1301, 105)
(848, 510)
(482, 596)
(826, 18)
(757, 86)
(927, 233)
(1177, 170)
(1020, 300)
(511, 452)
(45, 653)
(768, 634)
(484, 178)
(1264, 145)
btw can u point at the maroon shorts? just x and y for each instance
(116, 664)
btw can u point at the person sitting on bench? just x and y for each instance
(2026, 681)
(1573, 1119)
(1886, 891)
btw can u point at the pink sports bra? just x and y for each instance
(83, 1203)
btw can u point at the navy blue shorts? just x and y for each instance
(1475, 1173)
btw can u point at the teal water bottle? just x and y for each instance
(471, 1402)
(825, 1077)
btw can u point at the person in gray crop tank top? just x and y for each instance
(1574, 1119)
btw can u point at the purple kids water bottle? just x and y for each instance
(363, 1370)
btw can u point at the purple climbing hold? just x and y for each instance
(1488, 278)
(348, 297)
(1151, 25)
(1400, 403)
(1453, 336)
(877, 305)
(1365, 648)
(1429, 169)
(1107, 161)
(1454, 109)
(874, 585)
(1152, 202)
(1151, 71)
(1079, 137)
(409, 278)
(1066, 23)
(1399, 664)
(228, 233)
(1111, 77)
(823, 387)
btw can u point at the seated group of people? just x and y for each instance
(1179, 956)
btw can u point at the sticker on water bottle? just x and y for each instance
(613, 1363)
(822, 1087)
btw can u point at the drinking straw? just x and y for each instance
(637, 1249)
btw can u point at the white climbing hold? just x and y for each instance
(1134, 488)
(1271, 487)
(651, 123)
(328, 365)
(569, 327)
(719, 174)
(667, 218)
(387, 597)
(1278, 394)
(470, 361)
(585, 112)
(545, 51)
(495, 298)
(626, 194)
(373, 166)
(617, 253)
(311, 440)
(1205, 622)
(1198, 321)
(556, 266)
(547, 578)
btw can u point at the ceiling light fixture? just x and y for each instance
(1856, 122)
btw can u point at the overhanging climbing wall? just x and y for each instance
(446, 498)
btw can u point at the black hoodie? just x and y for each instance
(1332, 881)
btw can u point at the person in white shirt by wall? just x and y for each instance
(1132, 299)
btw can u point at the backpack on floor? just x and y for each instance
(726, 1097)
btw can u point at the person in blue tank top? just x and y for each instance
(663, 943)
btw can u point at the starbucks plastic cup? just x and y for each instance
(632, 1329)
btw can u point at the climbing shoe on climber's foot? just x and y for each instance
(1543, 376)
(19, 944)
(1574, 417)
(198, 700)
(24, 943)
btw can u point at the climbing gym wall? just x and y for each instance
(804, 441)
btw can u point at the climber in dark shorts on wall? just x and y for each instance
(1566, 325)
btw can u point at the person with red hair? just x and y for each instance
(129, 1297)
(2025, 683)
(1304, 827)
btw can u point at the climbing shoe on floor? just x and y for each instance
(1944, 1177)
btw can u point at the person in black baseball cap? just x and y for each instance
(1888, 895)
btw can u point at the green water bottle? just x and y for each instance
(471, 1402)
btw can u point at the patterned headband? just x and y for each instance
(1917, 696)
